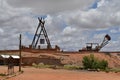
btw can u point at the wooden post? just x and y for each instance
(20, 53)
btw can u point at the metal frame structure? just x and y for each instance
(90, 46)
(40, 31)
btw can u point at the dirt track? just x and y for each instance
(50, 74)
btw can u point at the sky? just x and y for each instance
(70, 23)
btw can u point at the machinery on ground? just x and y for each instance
(96, 46)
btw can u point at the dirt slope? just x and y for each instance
(74, 58)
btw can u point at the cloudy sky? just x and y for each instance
(69, 23)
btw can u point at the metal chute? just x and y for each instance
(106, 39)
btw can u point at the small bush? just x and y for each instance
(34, 65)
(1, 74)
(107, 70)
(115, 70)
(71, 67)
(90, 62)
(42, 65)
(103, 64)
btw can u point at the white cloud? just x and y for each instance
(14, 21)
(99, 36)
(101, 29)
(68, 30)
(102, 3)
(1, 31)
(92, 18)
(68, 23)
(113, 31)
(50, 6)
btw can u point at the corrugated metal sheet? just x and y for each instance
(15, 56)
(7, 56)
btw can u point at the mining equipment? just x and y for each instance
(96, 46)
(41, 37)
(39, 32)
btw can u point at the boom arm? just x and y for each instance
(106, 40)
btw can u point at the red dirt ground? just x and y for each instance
(50, 74)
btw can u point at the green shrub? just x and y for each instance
(90, 62)
(103, 64)
(34, 65)
(115, 70)
(71, 67)
(42, 65)
(107, 70)
(1, 74)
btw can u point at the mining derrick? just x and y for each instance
(37, 37)
(40, 38)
